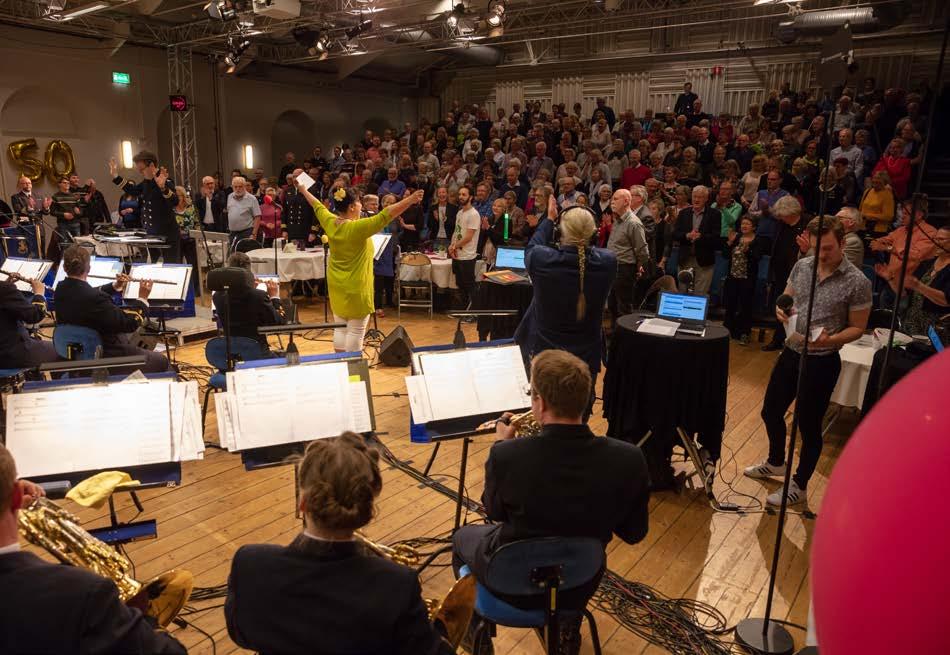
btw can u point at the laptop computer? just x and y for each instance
(687, 310)
(510, 258)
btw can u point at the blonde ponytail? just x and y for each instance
(577, 228)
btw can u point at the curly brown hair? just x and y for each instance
(339, 480)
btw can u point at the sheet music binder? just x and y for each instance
(276, 455)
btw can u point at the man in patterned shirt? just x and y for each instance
(841, 309)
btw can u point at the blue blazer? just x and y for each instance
(550, 321)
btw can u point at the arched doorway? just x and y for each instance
(293, 131)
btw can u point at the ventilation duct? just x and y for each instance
(863, 20)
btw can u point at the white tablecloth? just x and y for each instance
(301, 265)
(856, 360)
(441, 273)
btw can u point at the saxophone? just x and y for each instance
(453, 613)
(49, 526)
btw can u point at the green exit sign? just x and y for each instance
(121, 78)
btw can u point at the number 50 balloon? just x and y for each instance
(59, 159)
(28, 166)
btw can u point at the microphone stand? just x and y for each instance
(326, 282)
(765, 636)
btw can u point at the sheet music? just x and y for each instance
(179, 275)
(102, 270)
(276, 405)
(35, 269)
(659, 327)
(380, 241)
(187, 438)
(305, 180)
(360, 418)
(89, 428)
(260, 287)
(469, 382)
(418, 399)
(225, 417)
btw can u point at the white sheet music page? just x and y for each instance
(177, 276)
(89, 428)
(101, 271)
(34, 269)
(360, 419)
(500, 379)
(449, 384)
(275, 405)
(418, 399)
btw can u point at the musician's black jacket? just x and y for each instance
(54, 608)
(155, 206)
(15, 310)
(566, 482)
(250, 309)
(319, 597)
(77, 303)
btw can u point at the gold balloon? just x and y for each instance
(59, 149)
(28, 166)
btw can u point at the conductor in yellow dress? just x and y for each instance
(350, 269)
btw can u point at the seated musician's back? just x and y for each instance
(325, 593)
(54, 608)
(78, 303)
(250, 307)
(566, 482)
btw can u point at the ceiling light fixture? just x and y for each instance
(452, 20)
(360, 28)
(81, 11)
(496, 13)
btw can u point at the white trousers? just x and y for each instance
(350, 338)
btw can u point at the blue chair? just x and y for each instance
(532, 569)
(243, 349)
(74, 342)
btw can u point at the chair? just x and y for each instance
(247, 245)
(881, 318)
(532, 569)
(243, 349)
(74, 342)
(421, 267)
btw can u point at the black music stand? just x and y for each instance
(459, 339)
(292, 354)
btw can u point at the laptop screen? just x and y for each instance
(512, 258)
(683, 306)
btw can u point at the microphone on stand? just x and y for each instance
(785, 302)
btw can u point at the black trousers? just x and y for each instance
(620, 301)
(739, 298)
(821, 376)
(464, 271)
(383, 291)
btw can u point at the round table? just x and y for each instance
(300, 265)
(657, 383)
(440, 273)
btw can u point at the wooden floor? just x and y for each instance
(690, 551)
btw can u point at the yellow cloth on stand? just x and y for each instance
(95, 491)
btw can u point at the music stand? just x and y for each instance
(292, 354)
(458, 340)
(464, 428)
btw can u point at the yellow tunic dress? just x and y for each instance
(350, 269)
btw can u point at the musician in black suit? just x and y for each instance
(697, 231)
(343, 598)
(207, 198)
(54, 608)
(17, 347)
(78, 303)
(250, 307)
(441, 220)
(157, 198)
(567, 482)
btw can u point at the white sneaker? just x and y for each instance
(795, 496)
(765, 470)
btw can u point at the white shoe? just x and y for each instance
(795, 496)
(764, 470)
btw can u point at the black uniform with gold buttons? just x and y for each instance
(298, 219)
(156, 210)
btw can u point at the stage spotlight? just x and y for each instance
(496, 13)
(452, 20)
(320, 47)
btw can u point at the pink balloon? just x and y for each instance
(879, 566)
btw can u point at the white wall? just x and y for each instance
(58, 87)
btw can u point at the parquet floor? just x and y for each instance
(690, 551)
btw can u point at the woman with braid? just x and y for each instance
(350, 270)
(571, 283)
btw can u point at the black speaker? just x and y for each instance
(396, 348)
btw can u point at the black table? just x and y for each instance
(491, 295)
(658, 384)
